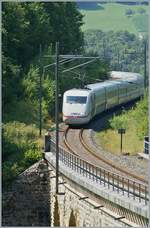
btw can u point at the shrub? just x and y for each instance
(32, 156)
(20, 149)
(141, 117)
(119, 122)
(19, 133)
(129, 12)
(138, 116)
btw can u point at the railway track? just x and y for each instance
(76, 153)
(109, 172)
(85, 152)
(111, 164)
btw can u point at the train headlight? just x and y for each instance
(84, 113)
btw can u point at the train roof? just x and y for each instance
(123, 75)
(75, 92)
(108, 83)
(117, 78)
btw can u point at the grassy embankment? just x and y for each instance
(113, 17)
(135, 121)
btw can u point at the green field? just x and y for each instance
(113, 17)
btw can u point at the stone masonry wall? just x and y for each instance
(85, 215)
(28, 202)
(32, 201)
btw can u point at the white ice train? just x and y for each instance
(81, 105)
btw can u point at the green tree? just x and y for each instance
(66, 23)
(141, 10)
(129, 12)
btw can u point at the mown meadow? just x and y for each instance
(115, 17)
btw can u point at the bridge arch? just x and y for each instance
(72, 219)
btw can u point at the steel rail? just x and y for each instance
(106, 175)
(108, 162)
(66, 142)
(100, 175)
(69, 147)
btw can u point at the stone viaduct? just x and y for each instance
(33, 201)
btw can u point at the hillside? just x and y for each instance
(115, 17)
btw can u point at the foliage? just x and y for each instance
(32, 156)
(129, 12)
(32, 90)
(122, 50)
(19, 133)
(26, 26)
(11, 75)
(141, 118)
(119, 122)
(135, 121)
(138, 116)
(20, 149)
(23, 111)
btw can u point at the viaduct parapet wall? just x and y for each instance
(28, 201)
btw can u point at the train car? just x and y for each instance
(81, 105)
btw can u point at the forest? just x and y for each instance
(122, 50)
(26, 27)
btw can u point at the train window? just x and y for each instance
(76, 100)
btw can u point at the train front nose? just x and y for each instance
(74, 109)
(75, 118)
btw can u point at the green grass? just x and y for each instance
(135, 121)
(113, 17)
(110, 141)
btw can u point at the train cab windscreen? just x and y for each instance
(76, 100)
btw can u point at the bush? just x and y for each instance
(20, 149)
(10, 172)
(19, 133)
(119, 122)
(141, 117)
(129, 12)
(138, 116)
(32, 156)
